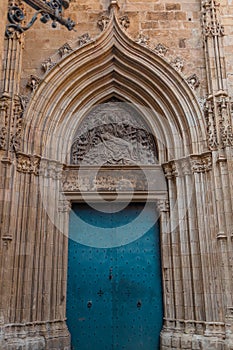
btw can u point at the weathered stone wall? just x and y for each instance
(176, 25)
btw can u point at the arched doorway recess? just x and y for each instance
(114, 66)
(114, 289)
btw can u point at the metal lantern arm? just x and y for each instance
(46, 9)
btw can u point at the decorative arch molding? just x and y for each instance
(113, 65)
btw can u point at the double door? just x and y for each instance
(114, 290)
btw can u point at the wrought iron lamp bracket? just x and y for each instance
(47, 10)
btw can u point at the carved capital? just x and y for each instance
(167, 168)
(28, 163)
(201, 163)
(185, 165)
(7, 239)
(51, 169)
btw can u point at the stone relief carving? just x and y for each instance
(27, 163)
(105, 180)
(16, 124)
(24, 99)
(201, 163)
(4, 108)
(114, 139)
(142, 39)
(33, 82)
(160, 50)
(193, 81)
(211, 23)
(186, 166)
(48, 65)
(178, 64)
(51, 169)
(83, 39)
(103, 22)
(218, 123)
(124, 21)
(3, 137)
(11, 122)
(65, 50)
(225, 127)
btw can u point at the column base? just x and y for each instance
(195, 335)
(35, 336)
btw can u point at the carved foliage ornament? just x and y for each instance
(124, 21)
(142, 39)
(218, 121)
(178, 64)
(103, 22)
(83, 39)
(12, 123)
(211, 22)
(4, 114)
(211, 124)
(28, 164)
(225, 126)
(160, 50)
(65, 49)
(111, 134)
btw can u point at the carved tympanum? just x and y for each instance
(113, 133)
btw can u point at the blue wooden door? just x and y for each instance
(114, 291)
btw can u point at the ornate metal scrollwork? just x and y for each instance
(46, 9)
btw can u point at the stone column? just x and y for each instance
(3, 11)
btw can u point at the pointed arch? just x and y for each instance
(114, 65)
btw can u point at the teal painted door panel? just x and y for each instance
(114, 294)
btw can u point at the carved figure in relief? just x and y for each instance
(112, 135)
(116, 148)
